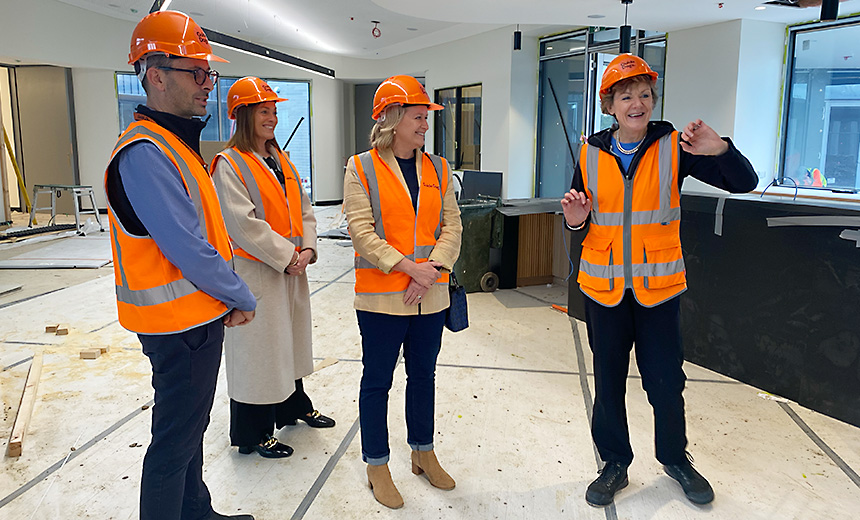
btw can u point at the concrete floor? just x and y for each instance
(512, 417)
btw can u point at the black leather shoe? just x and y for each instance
(269, 448)
(314, 420)
(219, 516)
(613, 477)
(695, 486)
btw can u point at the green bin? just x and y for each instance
(473, 266)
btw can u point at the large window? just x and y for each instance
(571, 66)
(458, 127)
(293, 116)
(821, 137)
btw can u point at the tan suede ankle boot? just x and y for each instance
(426, 462)
(383, 487)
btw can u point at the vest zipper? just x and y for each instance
(627, 232)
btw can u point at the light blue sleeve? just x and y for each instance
(155, 190)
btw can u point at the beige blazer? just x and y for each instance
(380, 253)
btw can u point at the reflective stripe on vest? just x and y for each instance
(634, 238)
(279, 205)
(152, 295)
(387, 194)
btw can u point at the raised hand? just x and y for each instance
(698, 138)
(576, 207)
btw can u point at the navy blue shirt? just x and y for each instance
(410, 175)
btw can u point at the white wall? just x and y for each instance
(509, 95)
(729, 75)
(759, 89)
(97, 125)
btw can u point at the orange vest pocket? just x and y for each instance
(662, 248)
(595, 266)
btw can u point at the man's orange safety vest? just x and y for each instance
(152, 295)
(634, 239)
(280, 206)
(410, 231)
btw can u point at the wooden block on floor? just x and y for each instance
(51, 328)
(25, 409)
(62, 330)
(90, 353)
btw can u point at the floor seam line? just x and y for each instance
(325, 473)
(821, 444)
(57, 465)
(331, 282)
(610, 511)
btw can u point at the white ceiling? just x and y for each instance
(343, 27)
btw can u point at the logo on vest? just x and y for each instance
(428, 185)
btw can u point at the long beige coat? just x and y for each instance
(265, 357)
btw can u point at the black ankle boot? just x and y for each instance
(695, 486)
(602, 491)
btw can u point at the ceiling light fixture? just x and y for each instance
(760, 8)
(245, 47)
(375, 31)
(518, 39)
(626, 30)
(160, 5)
(229, 42)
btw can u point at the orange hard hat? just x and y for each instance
(248, 91)
(172, 33)
(401, 90)
(622, 67)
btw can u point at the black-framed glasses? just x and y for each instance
(200, 75)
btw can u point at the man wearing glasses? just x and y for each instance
(175, 285)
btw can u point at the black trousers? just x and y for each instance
(250, 423)
(184, 373)
(656, 332)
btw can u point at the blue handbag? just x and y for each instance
(457, 316)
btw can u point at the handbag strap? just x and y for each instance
(452, 281)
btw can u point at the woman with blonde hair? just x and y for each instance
(273, 231)
(405, 228)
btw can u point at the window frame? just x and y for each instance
(594, 45)
(780, 178)
(438, 141)
(220, 110)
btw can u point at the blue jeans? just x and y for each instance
(381, 338)
(184, 373)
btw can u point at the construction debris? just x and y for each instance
(25, 408)
(52, 328)
(90, 353)
(62, 330)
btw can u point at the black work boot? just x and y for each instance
(695, 486)
(612, 477)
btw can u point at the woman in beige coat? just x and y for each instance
(273, 232)
(405, 226)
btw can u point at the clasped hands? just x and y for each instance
(423, 275)
(300, 262)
